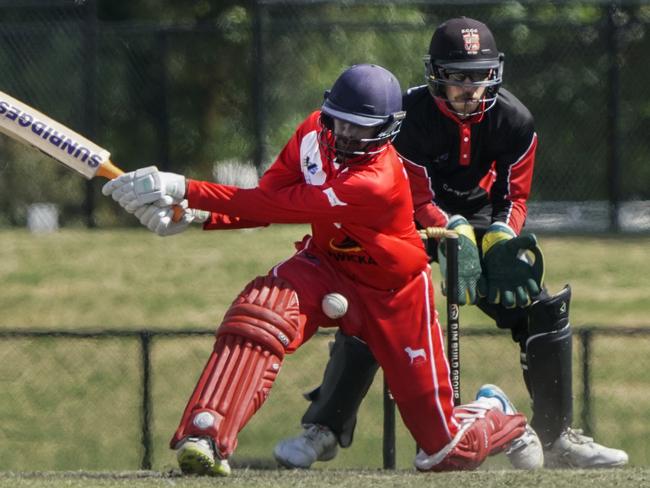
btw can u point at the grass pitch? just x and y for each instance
(75, 404)
(624, 478)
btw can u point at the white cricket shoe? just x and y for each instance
(196, 455)
(526, 451)
(316, 443)
(575, 450)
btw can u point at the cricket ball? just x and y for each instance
(334, 305)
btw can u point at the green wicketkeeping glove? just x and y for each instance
(510, 277)
(469, 262)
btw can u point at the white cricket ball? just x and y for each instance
(334, 305)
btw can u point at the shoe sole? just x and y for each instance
(561, 463)
(193, 461)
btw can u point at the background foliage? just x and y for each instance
(191, 85)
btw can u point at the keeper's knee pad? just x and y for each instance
(547, 361)
(249, 349)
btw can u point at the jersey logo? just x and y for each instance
(442, 160)
(471, 40)
(415, 355)
(453, 191)
(310, 162)
(346, 245)
(311, 166)
(333, 199)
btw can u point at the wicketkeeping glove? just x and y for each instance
(510, 277)
(469, 263)
(145, 185)
(160, 219)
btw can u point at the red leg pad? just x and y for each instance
(504, 429)
(248, 351)
(484, 437)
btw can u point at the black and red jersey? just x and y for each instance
(483, 163)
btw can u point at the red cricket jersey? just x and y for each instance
(361, 214)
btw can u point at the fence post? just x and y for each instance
(586, 415)
(258, 87)
(614, 168)
(161, 107)
(89, 101)
(389, 429)
(145, 351)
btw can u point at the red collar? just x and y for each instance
(444, 108)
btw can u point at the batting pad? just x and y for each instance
(482, 434)
(248, 352)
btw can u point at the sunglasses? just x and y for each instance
(461, 76)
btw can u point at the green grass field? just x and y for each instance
(130, 278)
(74, 404)
(625, 478)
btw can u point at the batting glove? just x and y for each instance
(146, 185)
(159, 219)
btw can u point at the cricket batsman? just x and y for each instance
(340, 173)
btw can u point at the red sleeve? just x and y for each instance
(350, 198)
(224, 222)
(283, 196)
(280, 174)
(426, 213)
(512, 189)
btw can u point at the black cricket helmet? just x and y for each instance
(365, 95)
(464, 48)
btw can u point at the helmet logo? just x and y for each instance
(472, 40)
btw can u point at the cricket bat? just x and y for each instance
(33, 128)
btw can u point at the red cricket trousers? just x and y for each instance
(401, 329)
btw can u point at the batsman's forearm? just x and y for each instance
(297, 204)
(219, 221)
(249, 205)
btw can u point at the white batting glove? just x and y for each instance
(159, 219)
(146, 185)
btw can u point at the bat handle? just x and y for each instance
(109, 171)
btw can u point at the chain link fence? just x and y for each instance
(187, 93)
(110, 400)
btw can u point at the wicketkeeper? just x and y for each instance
(340, 173)
(473, 144)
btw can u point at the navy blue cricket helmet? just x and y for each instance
(366, 95)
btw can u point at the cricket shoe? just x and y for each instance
(196, 455)
(573, 449)
(316, 443)
(526, 451)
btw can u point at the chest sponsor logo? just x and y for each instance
(458, 193)
(348, 250)
(345, 245)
